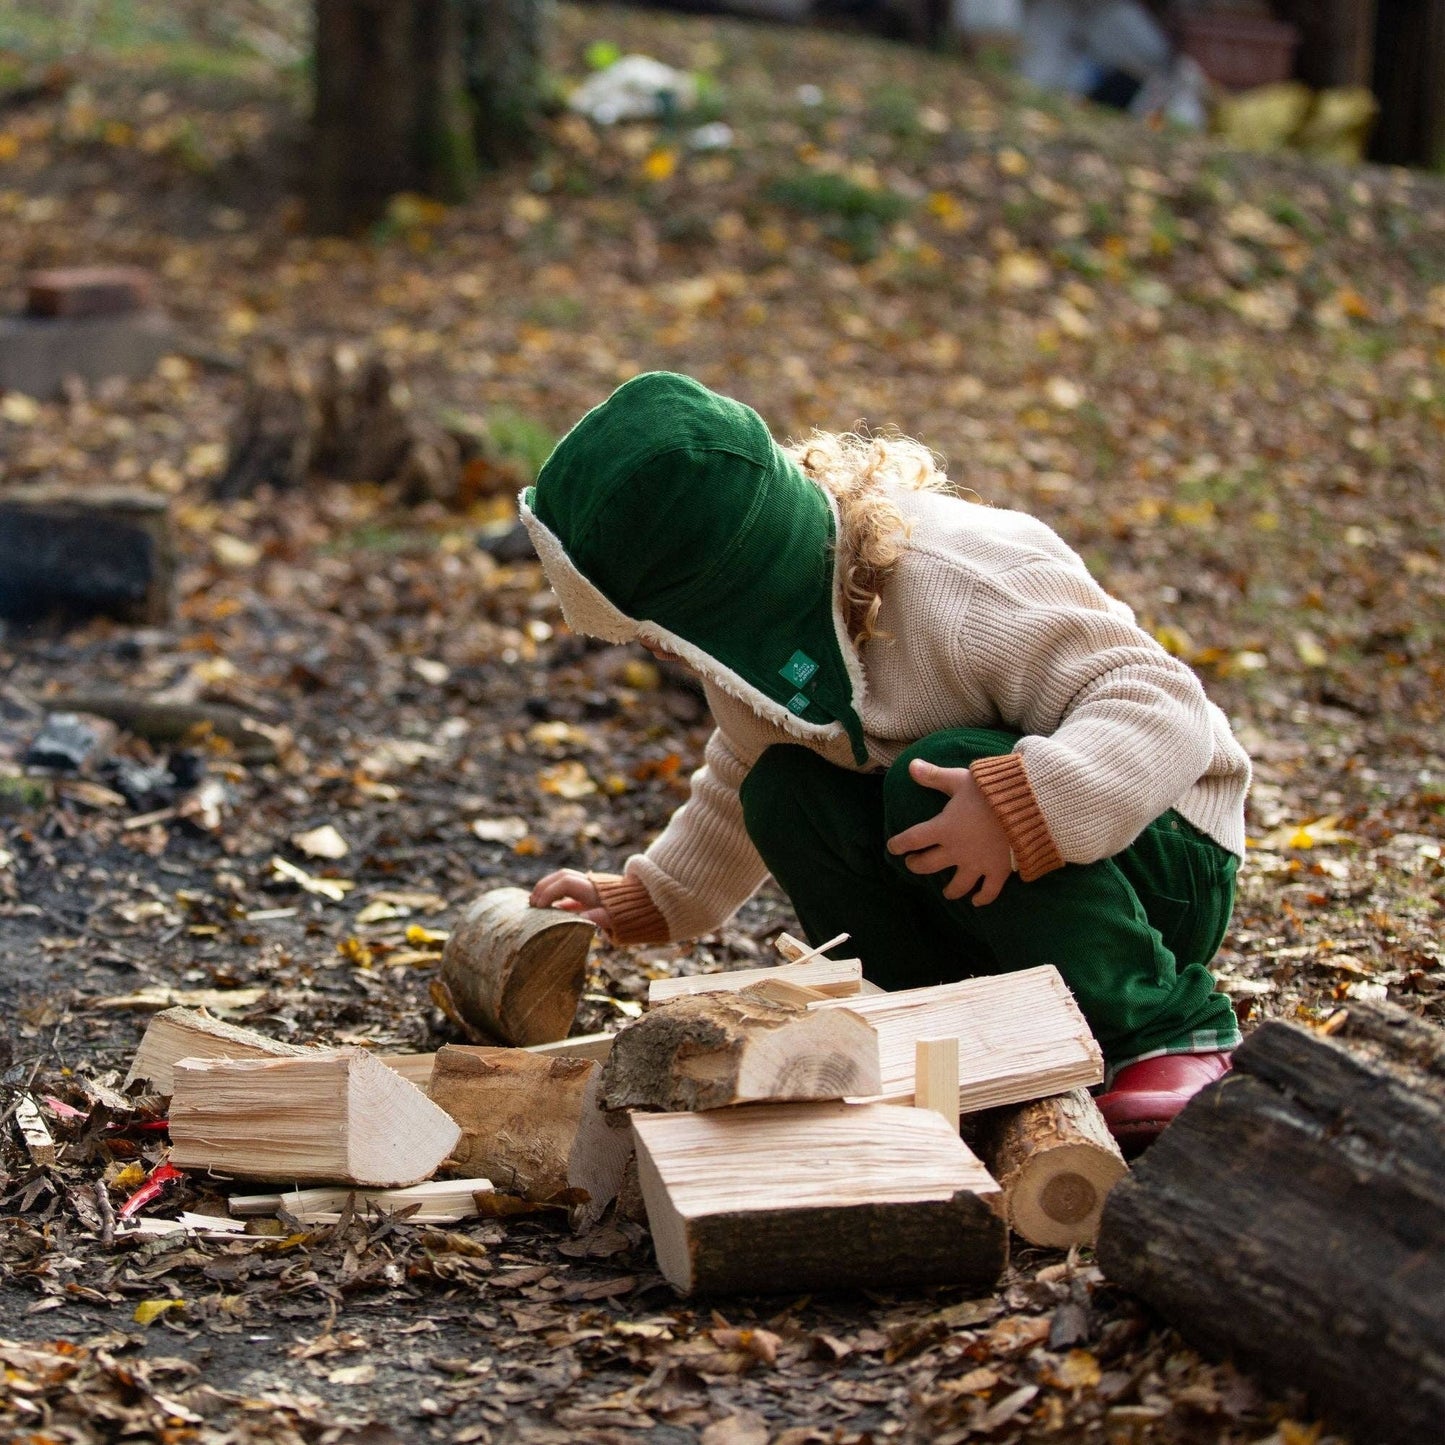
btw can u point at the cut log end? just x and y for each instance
(516, 972)
(1056, 1162)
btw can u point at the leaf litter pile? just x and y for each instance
(1220, 377)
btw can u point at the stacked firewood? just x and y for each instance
(752, 1117)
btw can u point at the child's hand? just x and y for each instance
(573, 892)
(966, 836)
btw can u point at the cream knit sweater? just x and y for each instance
(988, 620)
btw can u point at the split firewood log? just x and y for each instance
(789, 1198)
(192, 1033)
(707, 1051)
(514, 972)
(329, 1117)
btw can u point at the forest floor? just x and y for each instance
(1221, 377)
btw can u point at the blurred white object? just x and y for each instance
(716, 135)
(988, 17)
(1179, 94)
(637, 87)
(1070, 44)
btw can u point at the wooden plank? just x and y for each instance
(439, 1201)
(1293, 1218)
(192, 1033)
(710, 1051)
(1056, 1162)
(514, 972)
(786, 1198)
(838, 978)
(533, 1124)
(335, 1116)
(1021, 1036)
(935, 1078)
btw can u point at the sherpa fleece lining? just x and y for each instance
(588, 611)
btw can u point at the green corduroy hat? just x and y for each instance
(668, 514)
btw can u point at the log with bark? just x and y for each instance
(513, 972)
(1056, 1162)
(331, 1117)
(786, 1198)
(533, 1126)
(78, 552)
(1021, 1036)
(165, 720)
(1293, 1216)
(712, 1050)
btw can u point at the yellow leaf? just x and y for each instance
(353, 950)
(416, 935)
(1194, 514)
(148, 1311)
(640, 676)
(1078, 1370)
(660, 165)
(234, 551)
(1175, 641)
(1021, 271)
(9, 146)
(1306, 644)
(19, 408)
(566, 780)
(1291, 1432)
(131, 1177)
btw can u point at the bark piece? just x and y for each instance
(532, 1125)
(516, 972)
(192, 1033)
(88, 291)
(1021, 1036)
(1056, 1162)
(335, 1116)
(81, 552)
(795, 1197)
(712, 1050)
(439, 1201)
(1293, 1216)
(837, 978)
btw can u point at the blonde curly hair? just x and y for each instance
(862, 474)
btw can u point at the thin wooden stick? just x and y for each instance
(822, 948)
(935, 1077)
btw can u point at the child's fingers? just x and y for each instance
(992, 886)
(566, 884)
(928, 860)
(920, 835)
(932, 776)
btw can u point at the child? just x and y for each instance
(934, 729)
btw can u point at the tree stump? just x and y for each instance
(1056, 1162)
(1294, 1216)
(514, 972)
(712, 1050)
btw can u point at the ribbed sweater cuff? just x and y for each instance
(635, 917)
(1005, 784)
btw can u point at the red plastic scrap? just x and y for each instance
(152, 1189)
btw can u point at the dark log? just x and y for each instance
(1293, 1216)
(81, 552)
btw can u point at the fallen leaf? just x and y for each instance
(148, 1311)
(322, 842)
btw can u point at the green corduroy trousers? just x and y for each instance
(1132, 935)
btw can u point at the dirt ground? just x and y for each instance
(1220, 377)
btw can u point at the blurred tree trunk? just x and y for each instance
(410, 93)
